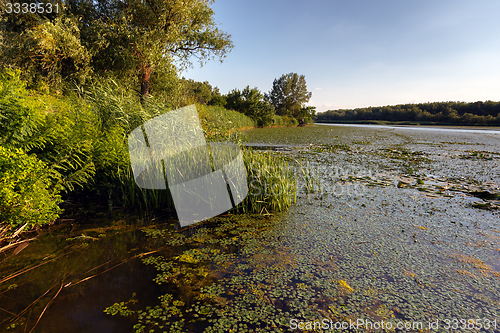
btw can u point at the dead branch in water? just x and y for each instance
(46, 306)
(2, 249)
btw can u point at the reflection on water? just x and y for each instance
(91, 268)
(482, 130)
(415, 249)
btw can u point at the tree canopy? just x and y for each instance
(289, 94)
(202, 93)
(476, 113)
(251, 102)
(131, 39)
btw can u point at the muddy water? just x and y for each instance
(399, 212)
(402, 227)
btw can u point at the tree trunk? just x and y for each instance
(146, 72)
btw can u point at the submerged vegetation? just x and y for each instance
(376, 224)
(218, 284)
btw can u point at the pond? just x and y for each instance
(391, 227)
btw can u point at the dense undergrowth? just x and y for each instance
(54, 149)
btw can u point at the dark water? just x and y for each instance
(390, 233)
(106, 258)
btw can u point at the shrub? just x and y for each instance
(26, 192)
(220, 124)
(19, 121)
(277, 120)
(290, 121)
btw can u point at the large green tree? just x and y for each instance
(128, 39)
(141, 37)
(201, 93)
(289, 94)
(45, 46)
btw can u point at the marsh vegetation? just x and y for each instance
(395, 226)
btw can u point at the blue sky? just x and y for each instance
(357, 53)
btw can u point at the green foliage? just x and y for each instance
(136, 42)
(220, 124)
(285, 121)
(111, 156)
(277, 120)
(140, 37)
(18, 121)
(272, 183)
(289, 95)
(119, 309)
(57, 51)
(27, 194)
(251, 103)
(61, 139)
(477, 113)
(115, 106)
(308, 114)
(201, 92)
(48, 49)
(235, 276)
(289, 121)
(218, 100)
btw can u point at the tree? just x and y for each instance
(130, 39)
(289, 94)
(44, 46)
(201, 92)
(141, 37)
(307, 113)
(251, 102)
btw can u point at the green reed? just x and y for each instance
(309, 176)
(144, 199)
(272, 184)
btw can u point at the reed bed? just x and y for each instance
(272, 183)
(143, 199)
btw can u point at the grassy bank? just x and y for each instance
(70, 149)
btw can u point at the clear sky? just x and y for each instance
(358, 53)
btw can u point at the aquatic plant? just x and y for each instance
(272, 183)
(228, 276)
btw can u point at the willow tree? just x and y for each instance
(141, 37)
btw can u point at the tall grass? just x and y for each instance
(143, 199)
(220, 124)
(309, 176)
(272, 184)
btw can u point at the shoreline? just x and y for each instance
(409, 124)
(447, 128)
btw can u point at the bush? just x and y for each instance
(19, 121)
(290, 121)
(27, 194)
(277, 120)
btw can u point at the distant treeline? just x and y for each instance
(452, 113)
